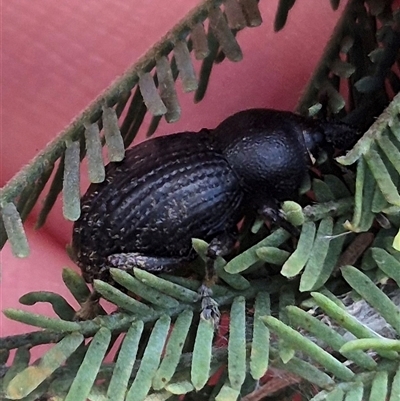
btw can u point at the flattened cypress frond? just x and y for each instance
(112, 133)
(94, 153)
(12, 225)
(317, 256)
(298, 259)
(259, 356)
(202, 354)
(347, 321)
(312, 350)
(150, 361)
(71, 188)
(373, 295)
(173, 350)
(87, 372)
(60, 305)
(379, 388)
(237, 344)
(321, 331)
(118, 385)
(142, 290)
(30, 378)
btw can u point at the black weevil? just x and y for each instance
(171, 189)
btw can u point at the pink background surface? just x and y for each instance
(58, 56)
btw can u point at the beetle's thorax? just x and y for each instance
(265, 163)
(270, 157)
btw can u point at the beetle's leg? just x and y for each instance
(90, 308)
(219, 246)
(270, 210)
(127, 261)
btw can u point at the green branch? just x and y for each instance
(32, 171)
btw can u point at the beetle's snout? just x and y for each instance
(340, 135)
(330, 134)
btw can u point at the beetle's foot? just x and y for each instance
(210, 311)
(90, 308)
(275, 215)
(209, 307)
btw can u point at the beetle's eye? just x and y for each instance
(313, 138)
